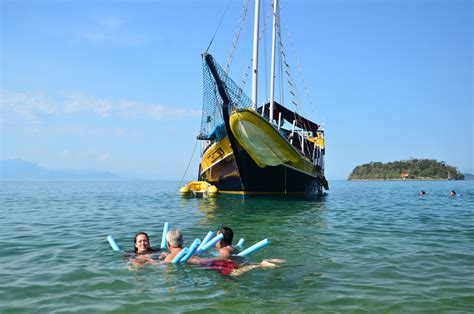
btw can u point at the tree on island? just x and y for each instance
(413, 169)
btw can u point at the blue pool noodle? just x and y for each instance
(166, 228)
(240, 243)
(205, 240)
(253, 248)
(211, 243)
(180, 255)
(113, 244)
(191, 251)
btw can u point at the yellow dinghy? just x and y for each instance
(261, 140)
(198, 189)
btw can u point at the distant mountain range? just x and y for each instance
(20, 170)
(468, 176)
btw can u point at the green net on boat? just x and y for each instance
(212, 101)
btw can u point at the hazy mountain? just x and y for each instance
(20, 170)
(468, 176)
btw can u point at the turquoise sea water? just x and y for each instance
(365, 246)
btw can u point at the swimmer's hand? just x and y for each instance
(274, 260)
(194, 260)
(163, 255)
(142, 260)
(270, 263)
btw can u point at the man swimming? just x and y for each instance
(224, 247)
(224, 262)
(174, 243)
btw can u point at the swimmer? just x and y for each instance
(141, 244)
(174, 240)
(223, 262)
(174, 243)
(224, 247)
(452, 193)
(422, 193)
(231, 268)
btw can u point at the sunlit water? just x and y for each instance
(365, 246)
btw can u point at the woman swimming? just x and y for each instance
(143, 250)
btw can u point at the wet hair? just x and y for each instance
(175, 238)
(135, 240)
(228, 235)
(452, 193)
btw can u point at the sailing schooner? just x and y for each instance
(250, 150)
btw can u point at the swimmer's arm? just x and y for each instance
(194, 260)
(197, 260)
(143, 260)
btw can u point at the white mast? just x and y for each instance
(272, 75)
(255, 54)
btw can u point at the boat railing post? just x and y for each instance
(320, 157)
(292, 132)
(302, 142)
(279, 120)
(314, 153)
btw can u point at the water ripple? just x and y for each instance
(366, 246)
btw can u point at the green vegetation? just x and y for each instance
(413, 169)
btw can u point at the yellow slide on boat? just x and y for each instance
(198, 189)
(261, 140)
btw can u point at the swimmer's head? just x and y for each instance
(228, 236)
(175, 238)
(452, 193)
(141, 242)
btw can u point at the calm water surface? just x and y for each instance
(365, 246)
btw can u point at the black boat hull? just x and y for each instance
(249, 179)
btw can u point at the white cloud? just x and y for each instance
(103, 156)
(87, 155)
(111, 30)
(27, 105)
(120, 131)
(79, 102)
(32, 106)
(103, 29)
(135, 110)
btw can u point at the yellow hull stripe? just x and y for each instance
(215, 153)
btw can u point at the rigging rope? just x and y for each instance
(187, 167)
(246, 74)
(220, 22)
(299, 66)
(265, 66)
(240, 25)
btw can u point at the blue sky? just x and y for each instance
(117, 85)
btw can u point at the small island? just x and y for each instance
(413, 169)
